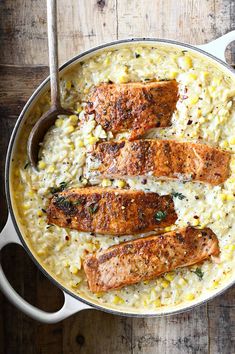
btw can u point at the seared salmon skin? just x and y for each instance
(111, 211)
(148, 257)
(164, 159)
(135, 107)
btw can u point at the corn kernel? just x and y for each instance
(204, 75)
(51, 169)
(229, 197)
(190, 297)
(232, 140)
(224, 144)
(145, 303)
(196, 222)
(41, 165)
(80, 143)
(199, 114)
(59, 122)
(68, 85)
(118, 300)
(30, 193)
(72, 147)
(157, 303)
(212, 89)
(73, 269)
(215, 283)
(69, 129)
(99, 294)
(26, 206)
(229, 247)
(73, 119)
(192, 76)
(66, 264)
(121, 183)
(86, 90)
(165, 284)
(168, 228)
(169, 277)
(193, 100)
(123, 79)
(39, 213)
(173, 74)
(106, 182)
(92, 140)
(223, 196)
(217, 81)
(185, 62)
(106, 61)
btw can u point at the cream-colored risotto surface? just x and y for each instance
(205, 112)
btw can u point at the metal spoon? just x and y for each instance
(48, 118)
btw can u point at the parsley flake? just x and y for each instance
(180, 196)
(198, 272)
(160, 215)
(61, 187)
(93, 208)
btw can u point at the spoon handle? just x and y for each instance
(53, 52)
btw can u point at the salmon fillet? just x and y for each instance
(137, 106)
(148, 257)
(111, 211)
(164, 159)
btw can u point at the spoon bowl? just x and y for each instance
(48, 118)
(39, 130)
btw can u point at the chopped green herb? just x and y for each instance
(44, 211)
(66, 205)
(93, 208)
(77, 202)
(26, 165)
(178, 195)
(61, 187)
(160, 215)
(198, 272)
(184, 51)
(48, 226)
(137, 55)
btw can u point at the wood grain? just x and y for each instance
(23, 65)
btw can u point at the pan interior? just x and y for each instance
(206, 99)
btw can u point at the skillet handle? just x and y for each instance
(70, 306)
(219, 45)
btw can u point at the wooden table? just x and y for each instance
(23, 65)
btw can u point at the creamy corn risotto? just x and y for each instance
(205, 112)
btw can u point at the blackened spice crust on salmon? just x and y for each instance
(148, 257)
(111, 211)
(164, 159)
(135, 107)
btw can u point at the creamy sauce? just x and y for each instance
(205, 112)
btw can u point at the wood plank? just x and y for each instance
(81, 25)
(95, 332)
(180, 334)
(221, 315)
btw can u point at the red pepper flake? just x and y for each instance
(66, 237)
(189, 122)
